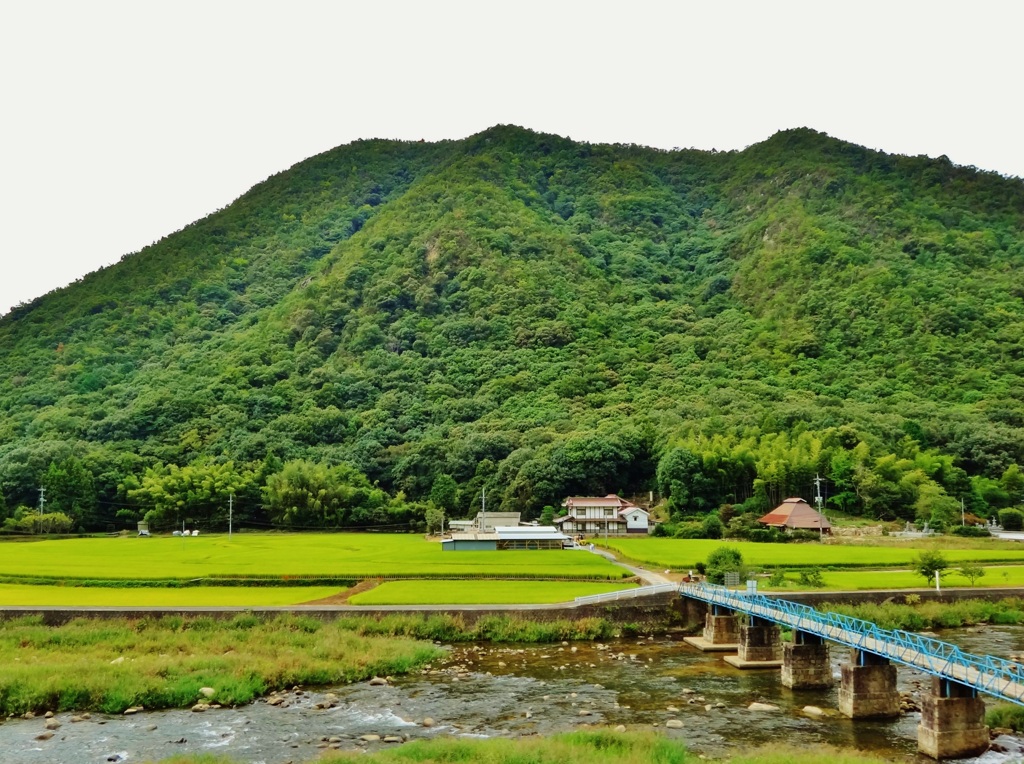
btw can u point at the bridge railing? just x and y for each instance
(625, 594)
(990, 674)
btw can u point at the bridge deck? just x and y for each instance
(989, 674)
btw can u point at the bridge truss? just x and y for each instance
(985, 673)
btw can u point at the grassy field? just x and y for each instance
(193, 596)
(855, 580)
(683, 554)
(354, 555)
(479, 592)
(110, 665)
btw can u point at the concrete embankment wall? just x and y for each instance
(660, 610)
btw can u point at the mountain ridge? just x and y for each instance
(568, 312)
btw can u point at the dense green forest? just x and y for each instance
(394, 326)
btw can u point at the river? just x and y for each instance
(491, 690)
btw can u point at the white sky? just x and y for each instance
(121, 122)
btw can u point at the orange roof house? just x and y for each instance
(796, 514)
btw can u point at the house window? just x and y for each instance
(609, 512)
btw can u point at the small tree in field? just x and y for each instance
(972, 572)
(930, 562)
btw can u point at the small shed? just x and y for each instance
(797, 514)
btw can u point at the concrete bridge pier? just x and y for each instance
(952, 721)
(759, 645)
(805, 662)
(720, 631)
(867, 689)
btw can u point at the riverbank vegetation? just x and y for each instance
(591, 747)
(920, 616)
(286, 556)
(111, 664)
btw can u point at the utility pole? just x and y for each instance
(817, 488)
(231, 500)
(483, 509)
(42, 499)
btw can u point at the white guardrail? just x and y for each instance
(627, 594)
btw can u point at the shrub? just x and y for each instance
(812, 578)
(804, 535)
(766, 536)
(724, 559)
(971, 531)
(1011, 716)
(1011, 519)
(712, 527)
(689, 530)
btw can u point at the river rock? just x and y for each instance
(48, 715)
(672, 710)
(585, 712)
(44, 736)
(621, 728)
(200, 707)
(132, 710)
(76, 719)
(369, 738)
(813, 711)
(52, 724)
(674, 724)
(207, 692)
(428, 722)
(378, 681)
(393, 739)
(762, 707)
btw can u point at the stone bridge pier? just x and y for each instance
(867, 689)
(952, 721)
(805, 662)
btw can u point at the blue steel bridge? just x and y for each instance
(991, 675)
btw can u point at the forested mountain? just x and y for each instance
(393, 324)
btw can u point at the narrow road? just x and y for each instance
(647, 576)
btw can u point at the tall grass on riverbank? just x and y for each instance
(592, 747)
(492, 628)
(110, 665)
(934, 615)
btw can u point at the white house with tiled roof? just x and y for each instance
(602, 515)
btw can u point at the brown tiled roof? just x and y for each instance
(796, 513)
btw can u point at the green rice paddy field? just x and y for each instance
(480, 592)
(683, 554)
(344, 555)
(858, 580)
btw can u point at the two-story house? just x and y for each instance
(602, 515)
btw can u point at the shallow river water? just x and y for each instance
(494, 690)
